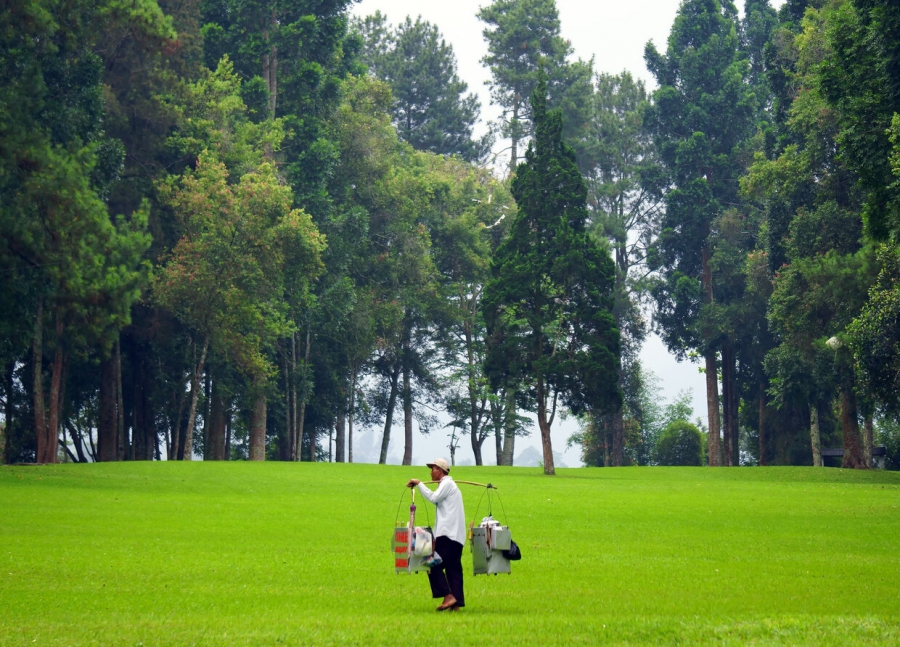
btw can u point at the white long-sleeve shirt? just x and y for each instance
(450, 517)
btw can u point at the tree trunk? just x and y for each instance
(350, 415)
(617, 458)
(9, 376)
(228, 422)
(195, 395)
(814, 437)
(258, 425)
(497, 424)
(138, 432)
(37, 359)
(51, 439)
(93, 448)
(295, 421)
(144, 435)
(176, 448)
(407, 405)
(727, 440)
(729, 406)
(712, 379)
(761, 424)
(712, 409)
(389, 417)
(476, 439)
(106, 427)
(509, 427)
(544, 424)
(340, 429)
(302, 423)
(207, 413)
(853, 450)
(121, 439)
(286, 437)
(868, 440)
(77, 441)
(216, 440)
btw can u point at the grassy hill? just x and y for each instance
(274, 553)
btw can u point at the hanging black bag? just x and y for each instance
(512, 553)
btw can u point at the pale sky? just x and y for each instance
(614, 33)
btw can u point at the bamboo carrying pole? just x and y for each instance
(488, 485)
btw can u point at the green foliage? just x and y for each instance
(875, 335)
(703, 113)
(548, 304)
(679, 444)
(225, 277)
(297, 49)
(57, 166)
(860, 72)
(430, 108)
(198, 571)
(214, 117)
(887, 435)
(522, 36)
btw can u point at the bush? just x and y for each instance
(887, 433)
(679, 444)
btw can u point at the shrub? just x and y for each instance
(679, 444)
(887, 433)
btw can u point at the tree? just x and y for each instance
(430, 108)
(384, 181)
(702, 114)
(521, 36)
(292, 57)
(468, 204)
(625, 200)
(860, 78)
(82, 267)
(679, 444)
(815, 231)
(225, 276)
(549, 299)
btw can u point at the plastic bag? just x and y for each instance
(513, 553)
(423, 544)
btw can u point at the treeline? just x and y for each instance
(244, 230)
(213, 237)
(776, 136)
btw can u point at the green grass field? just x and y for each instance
(275, 553)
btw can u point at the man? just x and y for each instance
(446, 579)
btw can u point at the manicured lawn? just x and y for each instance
(271, 554)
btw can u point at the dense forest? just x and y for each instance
(247, 230)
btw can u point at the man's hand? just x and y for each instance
(413, 483)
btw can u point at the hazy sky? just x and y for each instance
(614, 33)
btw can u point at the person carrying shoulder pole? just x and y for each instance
(446, 578)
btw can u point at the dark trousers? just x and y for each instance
(448, 577)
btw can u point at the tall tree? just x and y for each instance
(861, 78)
(625, 201)
(431, 109)
(815, 231)
(225, 276)
(550, 294)
(292, 58)
(82, 266)
(702, 114)
(521, 36)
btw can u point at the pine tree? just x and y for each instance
(549, 301)
(431, 109)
